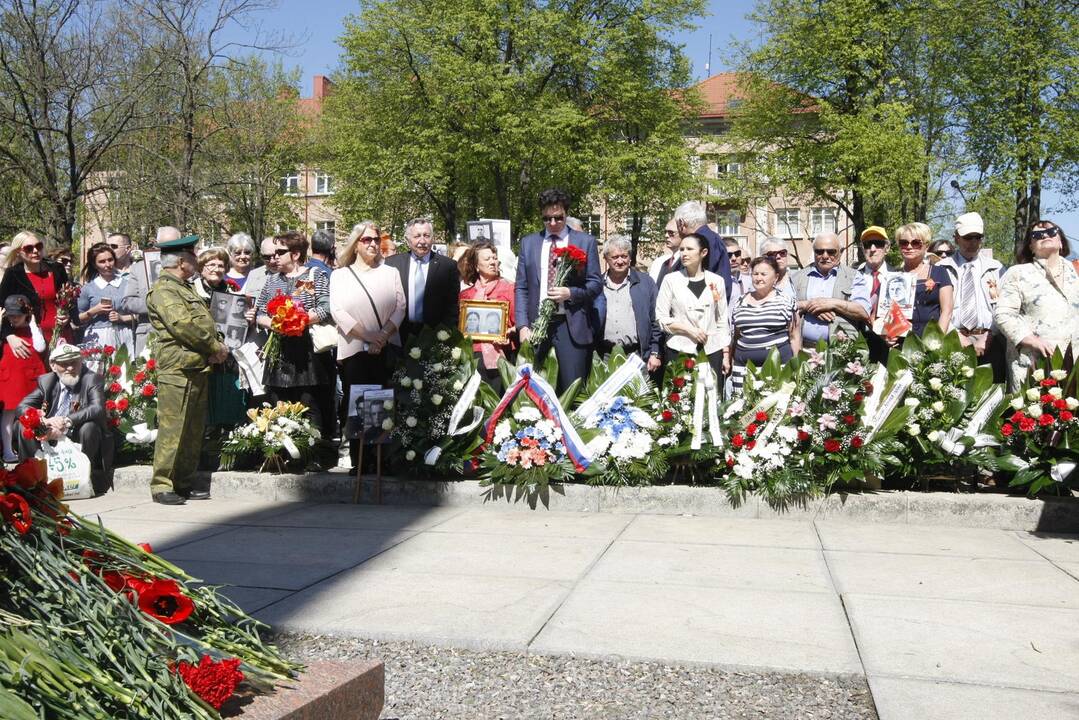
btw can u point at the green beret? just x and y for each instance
(184, 244)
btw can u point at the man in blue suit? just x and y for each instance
(692, 219)
(570, 332)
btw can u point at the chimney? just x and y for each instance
(323, 86)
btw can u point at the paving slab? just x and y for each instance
(486, 613)
(1011, 582)
(251, 599)
(922, 540)
(269, 575)
(225, 512)
(292, 545)
(160, 534)
(967, 642)
(1070, 568)
(360, 517)
(732, 566)
(722, 531)
(539, 524)
(550, 558)
(800, 632)
(905, 699)
(1057, 547)
(106, 502)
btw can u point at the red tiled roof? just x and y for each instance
(717, 92)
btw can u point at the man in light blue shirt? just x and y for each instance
(831, 297)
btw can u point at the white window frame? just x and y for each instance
(823, 220)
(725, 228)
(290, 184)
(330, 225)
(323, 183)
(592, 224)
(784, 227)
(725, 168)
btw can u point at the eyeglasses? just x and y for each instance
(553, 218)
(735, 253)
(915, 244)
(868, 244)
(242, 252)
(1034, 234)
(281, 251)
(945, 253)
(670, 233)
(366, 240)
(32, 248)
(776, 254)
(830, 252)
(117, 246)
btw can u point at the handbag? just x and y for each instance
(323, 337)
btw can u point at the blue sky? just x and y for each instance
(317, 52)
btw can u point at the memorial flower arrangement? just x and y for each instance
(1038, 430)
(430, 378)
(527, 450)
(277, 435)
(94, 626)
(287, 318)
(569, 259)
(673, 408)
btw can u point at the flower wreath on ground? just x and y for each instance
(801, 427)
(436, 383)
(1038, 430)
(277, 435)
(625, 449)
(150, 643)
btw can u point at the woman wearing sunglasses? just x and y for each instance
(29, 273)
(1038, 307)
(933, 285)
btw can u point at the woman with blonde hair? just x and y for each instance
(31, 274)
(933, 285)
(367, 301)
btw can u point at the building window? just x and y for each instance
(592, 225)
(626, 226)
(323, 183)
(727, 222)
(728, 169)
(822, 220)
(290, 184)
(788, 223)
(330, 225)
(284, 228)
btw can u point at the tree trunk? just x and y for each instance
(1028, 200)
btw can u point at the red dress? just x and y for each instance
(17, 376)
(45, 287)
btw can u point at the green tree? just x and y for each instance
(464, 108)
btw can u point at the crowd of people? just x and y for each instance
(704, 294)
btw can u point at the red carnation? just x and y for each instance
(738, 441)
(151, 364)
(679, 382)
(1048, 382)
(122, 404)
(802, 436)
(1017, 416)
(751, 444)
(849, 419)
(1027, 424)
(214, 682)
(752, 429)
(108, 349)
(115, 370)
(110, 405)
(858, 397)
(1060, 404)
(674, 397)
(1047, 398)
(832, 445)
(148, 390)
(1007, 429)
(667, 416)
(1066, 416)
(115, 388)
(1045, 420)
(762, 417)
(690, 363)
(856, 442)
(114, 422)
(140, 376)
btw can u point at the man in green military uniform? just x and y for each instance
(186, 344)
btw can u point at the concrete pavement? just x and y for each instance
(944, 622)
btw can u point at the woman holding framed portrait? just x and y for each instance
(480, 271)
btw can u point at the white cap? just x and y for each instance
(65, 352)
(968, 223)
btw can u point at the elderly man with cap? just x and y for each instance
(875, 246)
(186, 343)
(831, 296)
(976, 280)
(72, 399)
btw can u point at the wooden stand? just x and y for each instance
(358, 488)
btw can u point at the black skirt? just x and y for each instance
(296, 366)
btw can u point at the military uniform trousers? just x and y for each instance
(182, 404)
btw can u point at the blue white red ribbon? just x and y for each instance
(543, 396)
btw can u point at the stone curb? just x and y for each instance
(985, 510)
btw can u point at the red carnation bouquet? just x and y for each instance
(288, 318)
(569, 258)
(33, 425)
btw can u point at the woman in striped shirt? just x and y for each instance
(763, 319)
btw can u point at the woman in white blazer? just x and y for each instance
(692, 307)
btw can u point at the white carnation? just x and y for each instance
(436, 400)
(528, 414)
(387, 404)
(458, 385)
(415, 353)
(1038, 375)
(455, 353)
(410, 455)
(932, 344)
(418, 384)
(1056, 392)
(935, 383)
(387, 424)
(411, 421)
(442, 336)
(1058, 375)
(406, 381)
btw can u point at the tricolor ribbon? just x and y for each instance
(543, 396)
(706, 395)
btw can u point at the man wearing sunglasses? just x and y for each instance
(976, 280)
(121, 249)
(570, 333)
(831, 297)
(669, 261)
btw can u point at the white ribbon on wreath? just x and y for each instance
(891, 400)
(949, 441)
(457, 425)
(706, 395)
(631, 369)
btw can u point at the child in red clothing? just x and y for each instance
(20, 365)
